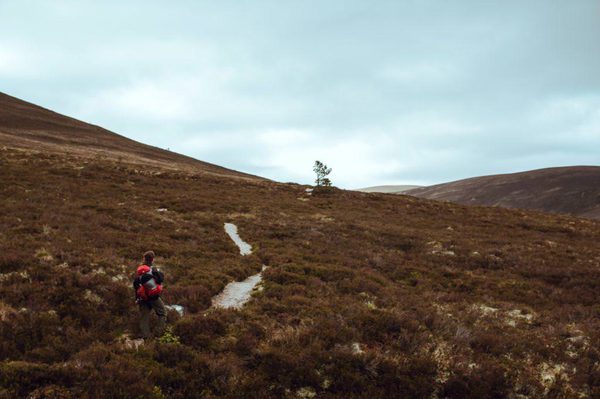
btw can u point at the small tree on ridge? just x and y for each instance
(322, 172)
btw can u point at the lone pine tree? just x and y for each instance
(322, 172)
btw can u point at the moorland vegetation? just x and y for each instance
(366, 295)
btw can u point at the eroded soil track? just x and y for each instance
(236, 294)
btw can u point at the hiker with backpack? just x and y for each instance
(148, 287)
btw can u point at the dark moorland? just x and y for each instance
(366, 295)
(572, 190)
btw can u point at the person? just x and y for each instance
(148, 288)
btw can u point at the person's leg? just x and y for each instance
(160, 310)
(145, 320)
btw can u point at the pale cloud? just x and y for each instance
(572, 123)
(429, 73)
(17, 60)
(147, 99)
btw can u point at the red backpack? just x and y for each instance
(150, 289)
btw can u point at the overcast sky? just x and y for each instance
(384, 92)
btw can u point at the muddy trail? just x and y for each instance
(237, 293)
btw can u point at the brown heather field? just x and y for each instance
(366, 296)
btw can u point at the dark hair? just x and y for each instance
(148, 258)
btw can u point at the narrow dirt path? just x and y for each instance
(232, 230)
(237, 293)
(178, 308)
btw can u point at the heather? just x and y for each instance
(365, 295)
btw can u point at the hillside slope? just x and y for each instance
(569, 190)
(25, 125)
(365, 295)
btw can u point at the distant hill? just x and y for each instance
(25, 125)
(570, 190)
(389, 189)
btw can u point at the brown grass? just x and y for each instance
(441, 299)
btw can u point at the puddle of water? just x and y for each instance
(245, 248)
(178, 308)
(236, 294)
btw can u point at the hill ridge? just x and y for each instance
(30, 126)
(573, 190)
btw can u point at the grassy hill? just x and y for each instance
(366, 295)
(573, 190)
(26, 125)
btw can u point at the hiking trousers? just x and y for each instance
(145, 309)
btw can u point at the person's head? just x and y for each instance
(148, 258)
